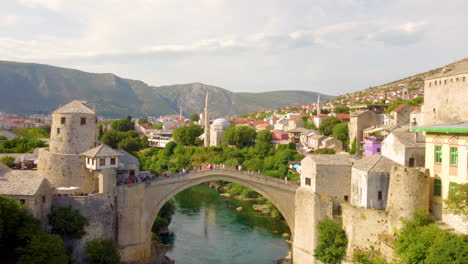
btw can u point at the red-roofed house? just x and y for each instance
(278, 135)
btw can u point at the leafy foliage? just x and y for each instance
(341, 109)
(34, 133)
(326, 128)
(413, 102)
(332, 242)
(240, 136)
(123, 125)
(194, 117)
(263, 143)
(8, 160)
(341, 132)
(101, 251)
(21, 145)
(457, 201)
(353, 149)
(421, 241)
(187, 135)
(67, 222)
(126, 140)
(43, 248)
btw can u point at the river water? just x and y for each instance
(207, 229)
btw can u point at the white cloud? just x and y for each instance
(54, 5)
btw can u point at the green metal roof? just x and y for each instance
(460, 127)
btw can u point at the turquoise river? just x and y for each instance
(207, 229)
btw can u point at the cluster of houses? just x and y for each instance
(10, 121)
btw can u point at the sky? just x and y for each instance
(328, 46)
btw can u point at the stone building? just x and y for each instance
(369, 181)
(401, 115)
(73, 132)
(217, 130)
(28, 187)
(328, 175)
(332, 143)
(445, 96)
(406, 148)
(447, 160)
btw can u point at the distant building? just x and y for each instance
(372, 146)
(217, 130)
(278, 135)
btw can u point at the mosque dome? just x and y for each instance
(221, 122)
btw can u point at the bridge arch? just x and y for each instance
(148, 198)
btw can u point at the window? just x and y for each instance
(83, 121)
(58, 131)
(430, 84)
(43, 199)
(438, 154)
(62, 120)
(411, 162)
(437, 187)
(92, 162)
(445, 81)
(453, 186)
(456, 79)
(346, 198)
(453, 156)
(132, 172)
(22, 201)
(307, 181)
(102, 162)
(464, 78)
(112, 161)
(379, 195)
(378, 150)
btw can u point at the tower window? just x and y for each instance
(58, 131)
(379, 195)
(83, 121)
(307, 181)
(62, 120)
(43, 199)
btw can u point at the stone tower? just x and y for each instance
(319, 111)
(73, 132)
(207, 123)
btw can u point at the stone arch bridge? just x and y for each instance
(139, 204)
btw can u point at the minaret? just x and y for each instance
(207, 123)
(180, 113)
(319, 111)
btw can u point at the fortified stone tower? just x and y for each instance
(73, 132)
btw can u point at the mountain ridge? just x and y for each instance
(29, 88)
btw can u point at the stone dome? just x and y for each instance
(221, 122)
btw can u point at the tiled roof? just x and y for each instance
(375, 163)
(20, 182)
(74, 107)
(399, 108)
(127, 158)
(101, 151)
(330, 159)
(410, 139)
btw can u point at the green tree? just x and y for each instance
(332, 242)
(100, 131)
(240, 136)
(324, 151)
(340, 132)
(130, 144)
(34, 133)
(367, 257)
(43, 249)
(326, 128)
(7, 160)
(158, 126)
(263, 144)
(353, 149)
(341, 109)
(123, 125)
(143, 120)
(457, 201)
(67, 222)
(187, 135)
(101, 251)
(194, 117)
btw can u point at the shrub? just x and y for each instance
(102, 252)
(367, 257)
(8, 160)
(43, 248)
(457, 201)
(332, 242)
(68, 223)
(324, 151)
